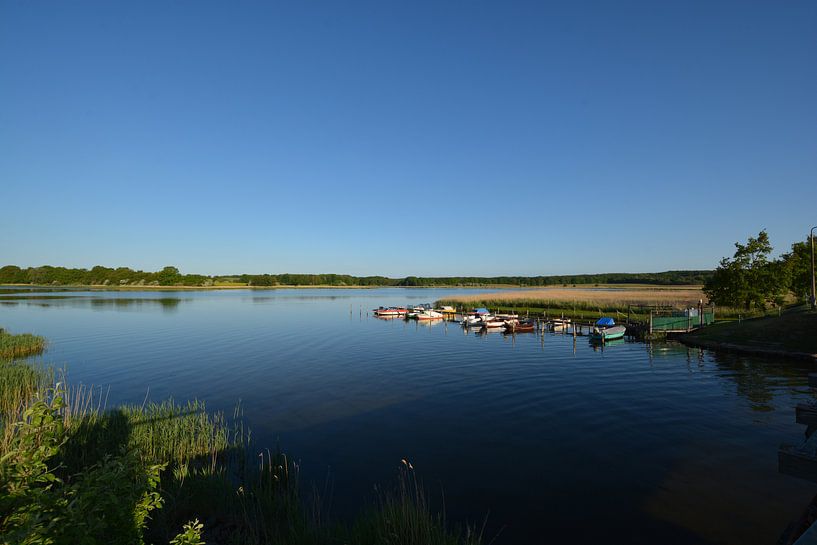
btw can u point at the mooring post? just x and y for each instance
(650, 321)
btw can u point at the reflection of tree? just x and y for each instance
(757, 378)
(168, 304)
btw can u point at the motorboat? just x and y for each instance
(390, 311)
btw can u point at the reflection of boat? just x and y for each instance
(607, 330)
(389, 311)
(598, 345)
(526, 326)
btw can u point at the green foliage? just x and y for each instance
(191, 534)
(798, 268)
(44, 502)
(748, 279)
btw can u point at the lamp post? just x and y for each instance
(813, 300)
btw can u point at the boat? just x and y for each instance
(607, 330)
(493, 323)
(430, 315)
(390, 311)
(448, 311)
(526, 326)
(476, 318)
(559, 324)
(417, 309)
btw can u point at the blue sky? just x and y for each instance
(438, 138)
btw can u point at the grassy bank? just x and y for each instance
(72, 471)
(793, 332)
(19, 346)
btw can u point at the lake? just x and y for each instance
(551, 439)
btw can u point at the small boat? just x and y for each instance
(448, 311)
(607, 330)
(493, 323)
(476, 318)
(430, 315)
(390, 311)
(559, 324)
(526, 326)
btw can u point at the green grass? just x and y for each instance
(793, 331)
(19, 346)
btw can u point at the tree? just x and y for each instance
(169, 276)
(798, 267)
(748, 279)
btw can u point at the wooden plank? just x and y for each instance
(806, 413)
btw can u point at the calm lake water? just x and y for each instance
(554, 441)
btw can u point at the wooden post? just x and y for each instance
(650, 321)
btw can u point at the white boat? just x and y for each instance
(473, 320)
(493, 323)
(476, 317)
(430, 315)
(417, 310)
(559, 324)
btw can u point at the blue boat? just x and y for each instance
(607, 330)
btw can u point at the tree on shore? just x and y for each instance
(749, 279)
(798, 269)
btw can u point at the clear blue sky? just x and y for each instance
(403, 138)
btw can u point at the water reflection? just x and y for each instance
(167, 304)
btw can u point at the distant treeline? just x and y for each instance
(170, 276)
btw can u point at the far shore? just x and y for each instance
(528, 290)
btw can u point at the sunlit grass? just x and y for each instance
(20, 345)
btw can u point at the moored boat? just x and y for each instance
(607, 330)
(476, 318)
(390, 311)
(526, 326)
(430, 315)
(559, 324)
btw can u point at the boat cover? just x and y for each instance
(606, 322)
(481, 310)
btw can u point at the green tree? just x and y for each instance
(169, 276)
(748, 279)
(798, 266)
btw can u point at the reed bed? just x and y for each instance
(20, 345)
(589, 297)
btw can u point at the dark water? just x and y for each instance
(553, 441)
